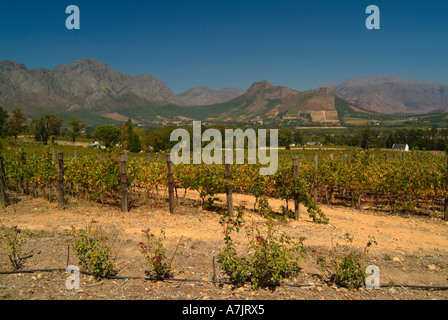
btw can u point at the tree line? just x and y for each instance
(417, 139)
(136, 139)
(48, 127)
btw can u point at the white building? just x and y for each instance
(400, 147)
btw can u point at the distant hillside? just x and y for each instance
(393, 95)
(201, 96)
(84, 84)
(263, 100)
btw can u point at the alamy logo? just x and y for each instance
(373, 279)
(72, 21)
(373, 21)
(73, 281)
(234, 147)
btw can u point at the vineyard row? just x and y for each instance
(415, 183)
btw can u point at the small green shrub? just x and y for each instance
(264, 209)
(272, 257)
(268, 260)
(154, 252)
(95, 250)
(230, 261)
(12, 241)
(344, 265)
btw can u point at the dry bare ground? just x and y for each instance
(411, 250)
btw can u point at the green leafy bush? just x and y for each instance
(95, 250)
(12, 241)
(230, 261)
(209, 181)
(268, 258)
(154, 252)
(344, 265)
(272, 257)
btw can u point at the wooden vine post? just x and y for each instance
(60, 180)
(295, 168)
(169, 166)
(229, 189)
(123, 183)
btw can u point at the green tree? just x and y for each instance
(367, 139)
(3, 118)
(75, 131)
(127, 136)
(107, 134)
(16, 123)
(136, 145)
(298, 137)
(143, 137)
(46, 128)
(160, 139)
(285, 137)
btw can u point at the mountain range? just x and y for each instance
(96, 92)
(202, 96)
(394, 95)
(84, 84)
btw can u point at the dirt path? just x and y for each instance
(411, 250)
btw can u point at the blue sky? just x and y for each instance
(223, 43)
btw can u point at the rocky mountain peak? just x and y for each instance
(7, 65)
(257, 87)
(83, 61)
